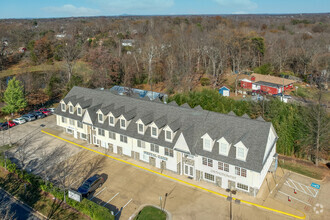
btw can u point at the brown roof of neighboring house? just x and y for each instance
(272, 79)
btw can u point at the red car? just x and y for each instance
(10, 123)
(45, 111)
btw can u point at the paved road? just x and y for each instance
(19, 211)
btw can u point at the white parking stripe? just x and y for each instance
(302, 188)
(295, 198)
(98, 193)
(111, 199)
(123, 207)
(127, 203)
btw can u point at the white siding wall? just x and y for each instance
(225, 176)
(266, 166)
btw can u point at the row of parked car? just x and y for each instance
(31, 116)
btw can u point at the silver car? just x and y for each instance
(51, 110)
(19, 120)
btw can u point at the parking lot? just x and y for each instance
(297, 192)
(126, 188)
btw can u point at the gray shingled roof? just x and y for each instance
(192, 123)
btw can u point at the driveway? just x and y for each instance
(12, 209)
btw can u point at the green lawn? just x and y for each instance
(304, 170)
(80, 67)
(151, 213)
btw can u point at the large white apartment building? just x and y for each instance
(227, 150)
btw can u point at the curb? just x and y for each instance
(25, 206)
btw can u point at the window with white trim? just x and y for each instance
(242, 186)
(140, 128)
(240, 171)
(79, 111)
(112, 135)
(101, 132)
(141, 144)
(223, 148)
(79, 124)
(154, 148)
(71, 109)
(63, 107)
(207, 162)
(223, 166)
(111, 120)
(168, 152)
(100, 117)
(168, 135)
(123, 138)
(207, 144)
(83, 136)
(123, 123)
(209, 177)
(71, 121)
(63, 119)
(240, 152)
(153, 131)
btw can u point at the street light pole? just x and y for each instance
(230, 199)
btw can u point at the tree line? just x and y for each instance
(303, 132)
(176, 51)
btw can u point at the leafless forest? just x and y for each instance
(175, 51)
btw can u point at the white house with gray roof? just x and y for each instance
(224, 149)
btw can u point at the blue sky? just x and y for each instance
(68, 8)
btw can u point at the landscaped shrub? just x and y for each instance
(205, 81)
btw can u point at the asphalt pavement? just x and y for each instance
(16, 208)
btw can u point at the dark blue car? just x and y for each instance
(90, 185)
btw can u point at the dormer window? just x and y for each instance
(71, 109)
(123, 123)
(168, 135)
(111, 121)
(140, 128)
(154, 132)
(207, 144)
(63, 107)
(100, 117)
(240, 152)
(223, 148)
(79, 111)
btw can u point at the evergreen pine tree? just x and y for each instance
(14, 97)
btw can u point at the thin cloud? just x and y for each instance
(72, 10)
(134, 6)
(238, 4)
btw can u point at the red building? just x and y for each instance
(267, 83)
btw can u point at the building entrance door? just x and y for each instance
(163, 165)
(110, 147)
(152, 161)
(188, 170)
(120, 150)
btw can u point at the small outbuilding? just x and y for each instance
(224, 91)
